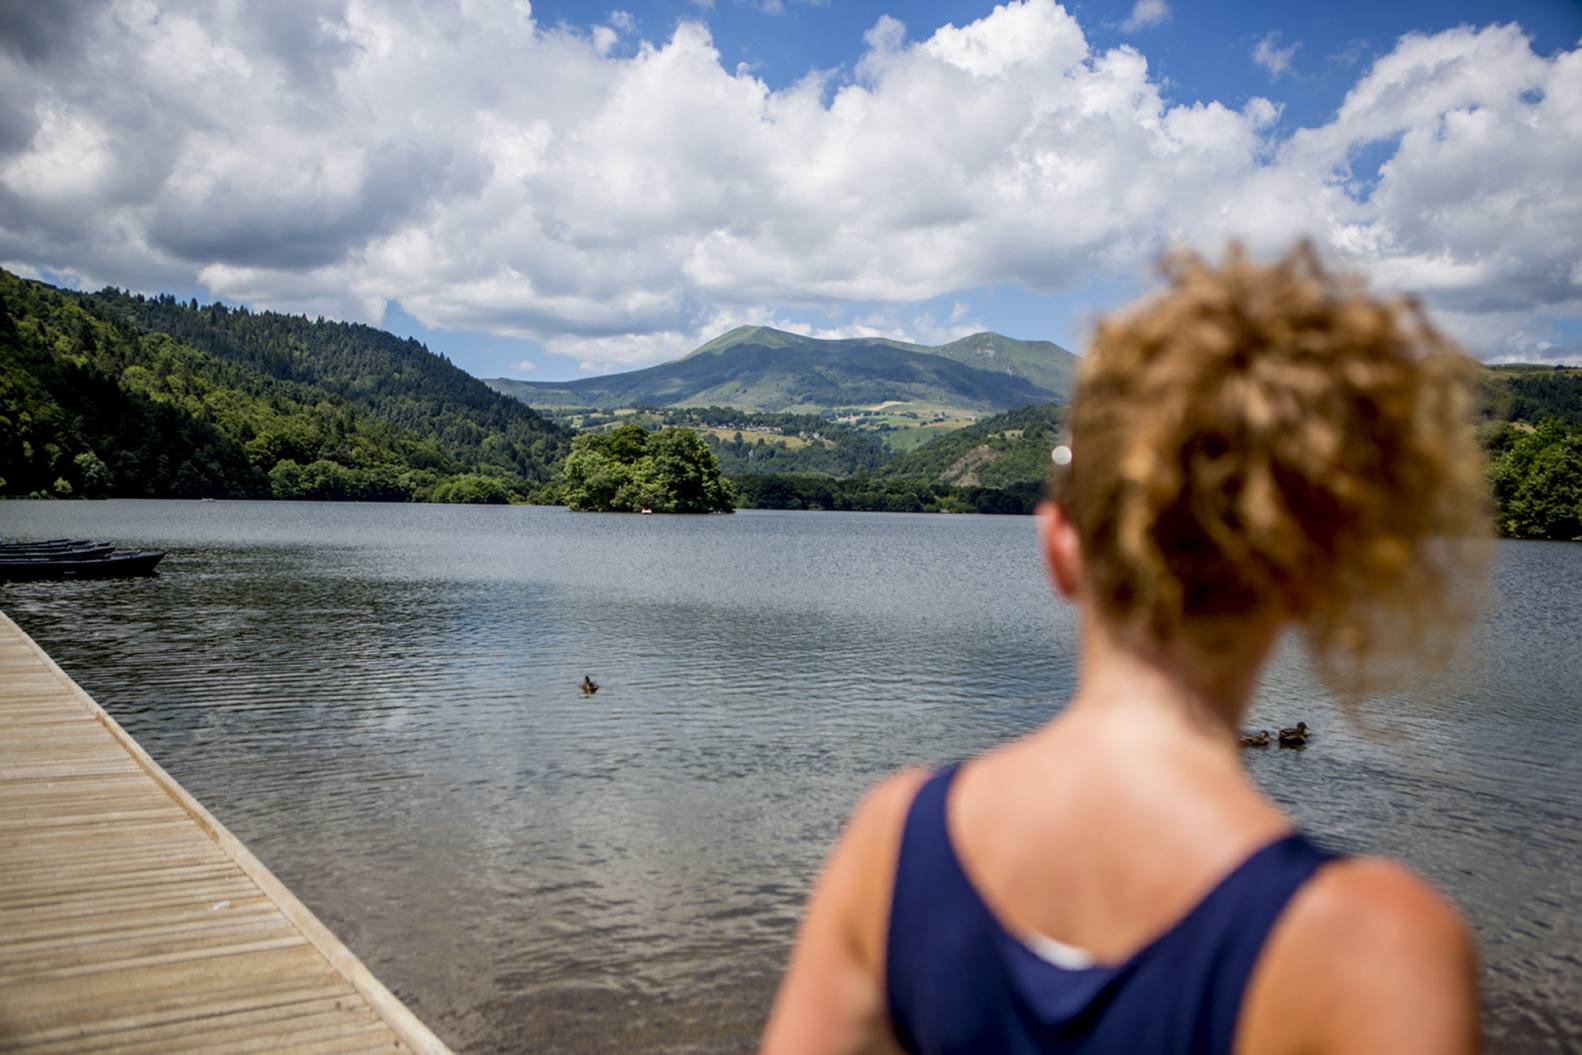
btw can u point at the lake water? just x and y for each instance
(382, 702)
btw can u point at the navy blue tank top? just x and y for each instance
(956, 981)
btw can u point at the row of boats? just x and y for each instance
(73, 558)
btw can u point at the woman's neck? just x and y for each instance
(1125, 686)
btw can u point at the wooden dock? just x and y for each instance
(132, 921)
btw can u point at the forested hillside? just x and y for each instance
(397, 380)
(97, 406)
(1007, 450)
(1532, 394)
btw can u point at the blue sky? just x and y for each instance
(1203, 51)
(579, 188)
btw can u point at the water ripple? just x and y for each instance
(382, 702)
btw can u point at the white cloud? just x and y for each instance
(621, 204)
(526, 366)
(1261, 112)
(1146, 13)
(1268, 54)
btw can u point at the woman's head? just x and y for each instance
(1267, 445)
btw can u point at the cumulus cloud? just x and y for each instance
(1146, 13)
(621, 204)
(1271, 56)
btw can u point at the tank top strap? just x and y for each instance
(930, 890)
(1223, 936)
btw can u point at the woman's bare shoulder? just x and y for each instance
(832, 997)
(1378, 905)
(864, 858)
(885, 805)
(1367, 957)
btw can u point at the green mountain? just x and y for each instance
(92, 402)
(756, 368)
(1044, 363)
(399, 381)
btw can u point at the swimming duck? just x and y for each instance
(1294, 736)
(588, 686)
(1258, 739)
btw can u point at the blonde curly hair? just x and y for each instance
(1267, 445)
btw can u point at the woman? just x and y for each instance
(1260, 448)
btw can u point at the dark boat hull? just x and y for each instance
(91, 552)
(115, 565)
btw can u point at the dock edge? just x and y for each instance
(406, 1025)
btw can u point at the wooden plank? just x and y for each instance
(132, 921)
(104, 1031)
(23, 929)
(232, 1031)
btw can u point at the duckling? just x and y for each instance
(1258, 739)
(1294, 736)
(588, 686)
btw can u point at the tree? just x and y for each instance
(1537, 482)
(471, 488)
(630, 469)
(94, 474)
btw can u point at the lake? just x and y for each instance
(382, 702)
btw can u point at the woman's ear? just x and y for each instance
(1057, 535)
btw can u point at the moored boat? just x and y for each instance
(91, 561)
(52, 543)
(85, 552)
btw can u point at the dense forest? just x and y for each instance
(399, 381)
(634, 470)
(1536, 475)
(94, 403)
(1531, 394)
(1532, 430)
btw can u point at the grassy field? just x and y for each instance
(789, 442)
(906, 426)
(900, 426)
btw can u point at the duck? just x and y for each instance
(1258, 739)
(588, 686)
(1294, 736)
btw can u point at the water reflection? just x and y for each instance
(382, 701)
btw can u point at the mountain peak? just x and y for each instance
(749, 334)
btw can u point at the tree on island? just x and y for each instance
(1536, 475)
(631, 469)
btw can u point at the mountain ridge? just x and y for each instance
(759, 368)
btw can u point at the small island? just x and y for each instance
(632, 470)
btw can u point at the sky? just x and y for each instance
(554, 189)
